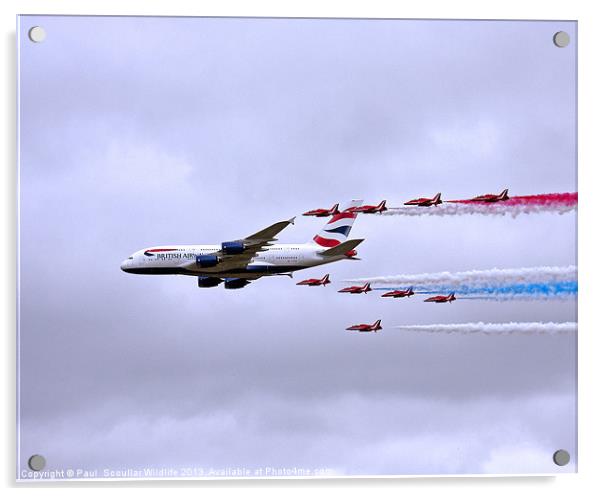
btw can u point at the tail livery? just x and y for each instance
(338, 227)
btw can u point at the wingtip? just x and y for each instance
(292, 220)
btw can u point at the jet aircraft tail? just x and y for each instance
(338, 227)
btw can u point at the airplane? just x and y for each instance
(442, 299)
(503, 196)
(322, 212)
(356, 289)
(425, 202)
(315, 282)
(237, 263)
(369, 209)
(366, 327)
(399, 293)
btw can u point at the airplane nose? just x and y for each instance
(124, 265)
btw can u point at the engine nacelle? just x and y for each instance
(235, 283)
(233, 247)
(209, 282)
(206, 260)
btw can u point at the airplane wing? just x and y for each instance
(253, 244)
(268, 234)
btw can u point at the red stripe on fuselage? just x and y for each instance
(156, 250)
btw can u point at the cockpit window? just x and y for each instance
(130, 258)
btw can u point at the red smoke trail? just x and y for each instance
(549, 199)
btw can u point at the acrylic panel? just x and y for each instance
(258, 247)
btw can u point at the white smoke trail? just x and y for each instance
(519, 296)
(481, 209)
(525, 275)
(503, 328)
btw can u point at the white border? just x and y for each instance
(590, 163)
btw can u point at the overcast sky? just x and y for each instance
(145, 131)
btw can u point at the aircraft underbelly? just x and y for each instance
(254, 271)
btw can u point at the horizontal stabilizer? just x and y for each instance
(341, 249)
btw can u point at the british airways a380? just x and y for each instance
(237, 263)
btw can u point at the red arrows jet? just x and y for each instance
(315, 282)
(356, 289)
(425, 202)
(322, 212)
(366, 327)
(442, 299)
(399, 293)
(369, 209)
(503, 196)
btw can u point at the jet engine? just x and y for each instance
(235, 283)
(206, 260)
(233, 247)
(209, 282)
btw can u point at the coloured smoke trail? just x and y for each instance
(526, 328)
(527, 283)
(553, 202)
(523, 275)
(539, 291)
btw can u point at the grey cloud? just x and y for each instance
(159, 131)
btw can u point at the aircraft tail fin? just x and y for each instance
(504, 195)
(334, 210)
(437, 197)
(337, 229)
(376, 324)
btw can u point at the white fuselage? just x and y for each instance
(276, 259)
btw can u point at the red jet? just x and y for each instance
(322, 212)
(503, 196)
(425, 202)
(368, 209)
(356, 289)
(399, 293)
(442, 299)
(315, 282)
(366, 327)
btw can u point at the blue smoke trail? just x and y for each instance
(543, 290)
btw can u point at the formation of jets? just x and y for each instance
(239, 262)
(416, 202)
(396, 293)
